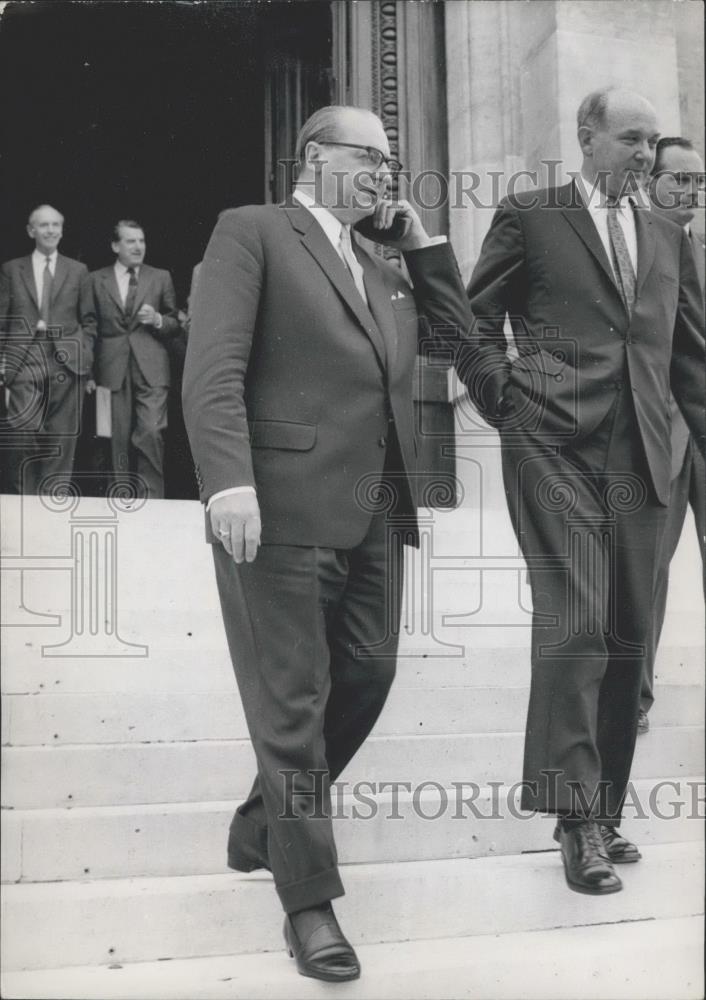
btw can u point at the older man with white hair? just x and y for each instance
(47, 336)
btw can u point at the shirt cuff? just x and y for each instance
(435, 241)
(226, 493)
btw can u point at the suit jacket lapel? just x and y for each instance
(379, 301)
(60, 274)
(645, 246)
(697, 246)
(110, 283)
(28, 277)
(319, 246)
(143, 283)
(579, 218)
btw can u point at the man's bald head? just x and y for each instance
(618, 133)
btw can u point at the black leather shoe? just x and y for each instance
(619, 850)
(586, 864)
(324, 953)
(643, 723)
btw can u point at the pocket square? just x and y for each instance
(399, 295)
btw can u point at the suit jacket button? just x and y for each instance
(382, 442)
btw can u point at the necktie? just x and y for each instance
(352, 262)
(622, 263)
(46, 292)
(131, 292)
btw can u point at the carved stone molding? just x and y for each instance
(384, 42)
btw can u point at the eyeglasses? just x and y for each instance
(375, 156)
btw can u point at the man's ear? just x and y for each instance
(585, 137)
(313, 153)
(115, 247)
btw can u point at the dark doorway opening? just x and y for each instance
(154, 111)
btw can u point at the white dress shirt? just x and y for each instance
(39, 261)
(595, 202)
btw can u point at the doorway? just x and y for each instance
(162, 112)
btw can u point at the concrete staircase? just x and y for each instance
(120, 775)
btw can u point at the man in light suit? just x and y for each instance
(137, 316)
(298, 403)
(47, 335)
(677, 178)
(604, 302)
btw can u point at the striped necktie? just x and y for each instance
(622, 264)
(131, 292)
(47, 279)
(352, 262)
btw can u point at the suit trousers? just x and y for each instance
(589, 525)
(313, 636)
(689, 488)
(50, 428)
(139, 419)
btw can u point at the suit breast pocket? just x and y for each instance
(404, 305)
(288, 435)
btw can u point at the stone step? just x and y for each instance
(203, 665)
(114, 922)
(222, 770)
(98, 842)
(121, 717)
(643, 960)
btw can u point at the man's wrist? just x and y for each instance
(229, 492)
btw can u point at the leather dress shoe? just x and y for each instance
(586, 864)
(324, 952)
(643, 723)
(619, 850)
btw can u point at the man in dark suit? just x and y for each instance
(137, 316)
(604, 303)
(47, 334)
(677, 178)
(298, 403)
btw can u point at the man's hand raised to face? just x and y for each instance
(235, 521)
(400, 218)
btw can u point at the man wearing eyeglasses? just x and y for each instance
(676, 183)
(298, 404)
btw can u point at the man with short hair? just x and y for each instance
(47, 335)
(137, 316)
(605, 306)
(677, 178)
(298, 403)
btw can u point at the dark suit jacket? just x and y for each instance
(290, 380)
(119, 334)
(543, 263)
(71, 310)
(680, 431)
